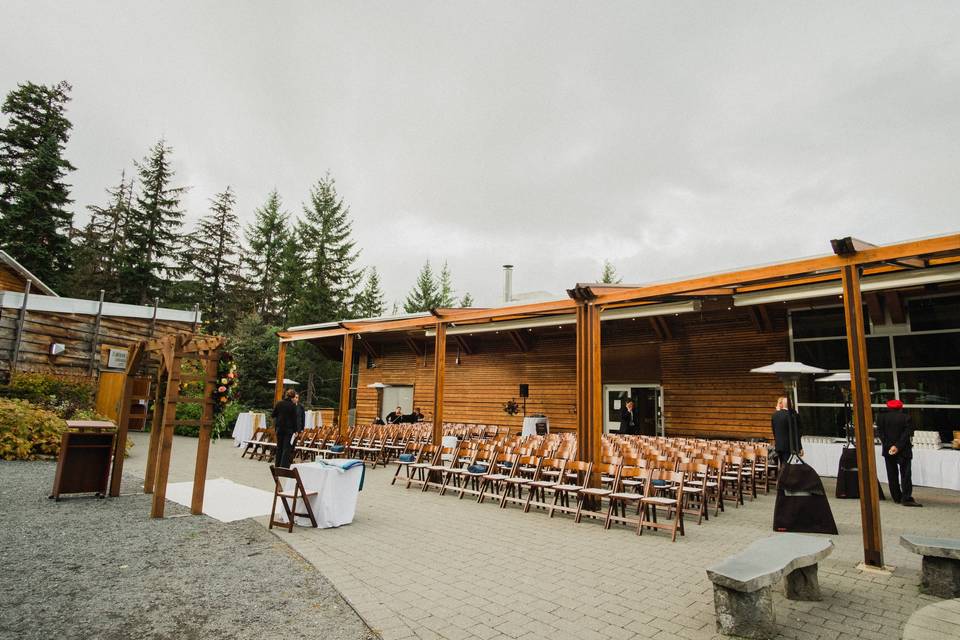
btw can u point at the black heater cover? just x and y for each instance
(802, 505)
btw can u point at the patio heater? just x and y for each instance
(802, 504)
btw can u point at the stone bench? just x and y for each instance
(742, 593)
(940, 574)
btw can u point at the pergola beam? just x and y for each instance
(439, 378)
(343, 409)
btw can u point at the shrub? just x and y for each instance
(223, 422)
(63, 396)
(28, 431)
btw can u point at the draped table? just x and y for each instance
(337, 489)
(313, 419)
(931, 467)
(245, 426)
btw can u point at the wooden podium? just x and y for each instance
(86, 453)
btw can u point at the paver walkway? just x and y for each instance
(417, 565)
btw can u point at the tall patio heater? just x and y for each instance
(802, 504)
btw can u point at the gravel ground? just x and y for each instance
(89, 568)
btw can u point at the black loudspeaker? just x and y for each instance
(524, 391)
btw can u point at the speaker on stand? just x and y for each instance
(524, 393)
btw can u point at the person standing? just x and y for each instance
(780, 422)
(285, 418)
(895, 433)
(628, 419)
(301, 414)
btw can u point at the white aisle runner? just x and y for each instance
(224, 499)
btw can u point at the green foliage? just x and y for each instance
(34, 219)
(369, 302)
(425, 294)
(266, 239)
(227, 419)
(253, 344)
(466, 301)
(188, 411)
(28, 431)
(445, 285)
(609, 275)
(63, 396)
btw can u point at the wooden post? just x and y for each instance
(95, 340)
(206, 426)
(343, 411)
(196, 317)
(15, 355)
(123, 422)
(862, 417)
(439, 376)
(281, 372)
(156, 427)
(153, 318)
(166, 437)
(589, 400)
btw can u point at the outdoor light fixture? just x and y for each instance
(57, 349)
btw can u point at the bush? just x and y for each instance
(28, 431)
(63, 396)
(222, 423)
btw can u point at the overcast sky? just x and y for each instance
(671, 138)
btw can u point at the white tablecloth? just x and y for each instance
(337, 490)
(530, 425)
(313, 419)
(243, 430)
(931, 467)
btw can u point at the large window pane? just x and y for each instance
(930, 314)
(821, 421)
(930, 350)
(809, 390)
(826, 354)
(878, 353)
(946, 421)
(929, 387)
(822, 323)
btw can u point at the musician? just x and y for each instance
(417, 415)
(395, 416)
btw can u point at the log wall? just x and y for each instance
(703, 365)
(10, 280)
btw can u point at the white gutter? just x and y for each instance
(51, 304)
(336, 323)
(897, 280)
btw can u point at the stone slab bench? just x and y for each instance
(742, 584)
(940, 574)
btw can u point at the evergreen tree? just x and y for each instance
(369, 303)
(425, 294)
(253, 344)
(34, 221)
(214, 262)
(153, 237)
(266, 239)
(328, 277)
(609, 275)
(289, 282)
(466, 301)
(445, 285)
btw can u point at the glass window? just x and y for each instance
(929, 387)
(878, 353)
(826, 354)
(821, 421)
(809, 390)
(822, 323)
(928, 350)
(929, 314)
(945, 421)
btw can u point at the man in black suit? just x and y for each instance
(285, 419)
(628, 419)
(301, 413)
(395, 416)
(780, 421)
(895, 432)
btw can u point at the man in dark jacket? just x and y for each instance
(628, 419)
(780, 422)
(301, 414)
(285, 417)
(895, 432)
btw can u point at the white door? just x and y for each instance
(394, 396)
(648, 401)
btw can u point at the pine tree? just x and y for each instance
(289, 282)
(425, 294)
(466, 301)
(253, 344)
(329, 277)
(34, 221)
(265, 239)
(213, 260)
(154, 237)
(445, 299)
(609, 275)
(369, 303)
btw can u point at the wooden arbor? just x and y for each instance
(172, 352)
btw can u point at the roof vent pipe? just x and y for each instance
(508, 283)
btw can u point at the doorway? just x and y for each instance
(648, 403)
(394, 396)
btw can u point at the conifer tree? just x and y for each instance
(609, 275)
(213, 261)
(289, 282)
(425, 294)
(369, 303)
(445, 299)
(266, 239)
(466, 301)
(34, 220)
(154, 235)
(329, 277)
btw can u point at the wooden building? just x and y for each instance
(683, 350)
(14, 277)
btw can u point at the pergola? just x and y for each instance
(851, 261)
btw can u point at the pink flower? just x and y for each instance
(222, 389)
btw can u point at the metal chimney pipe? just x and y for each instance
(508, 283)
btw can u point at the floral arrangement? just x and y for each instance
(226, 382)
(511, 407)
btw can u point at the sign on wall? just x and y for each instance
(116, 358)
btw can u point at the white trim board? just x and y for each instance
(50, 304)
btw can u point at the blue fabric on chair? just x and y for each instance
(337, 448)
(406, 457)
(660, 483)
(477, 468)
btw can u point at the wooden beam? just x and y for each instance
(862, 418)
(123, 421)
(203, 438)
(367, 347)
(849, 246)
(656, 328)
(519, 341)
(589, 401)
(760, 318)
(95, 340)
(155, 427)
(415, 346)
(665, 328)
(21, 319)
(439, 378)
(874, 308)
(465, 344)
(898, 314)
(281, 372)
(166, 437)
(343, 409)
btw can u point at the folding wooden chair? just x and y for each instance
(445, 458)
(694, 489)
(496, 479)
(597, 494)
(473, 476)
(521, 475)
(731, 481)
(250, 446)
(417, 472)
(668, 496)
(548, 475)
(290, 508)
(624, 494)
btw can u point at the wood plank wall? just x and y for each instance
(703, 367)
(10, 280)
(75, 331)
